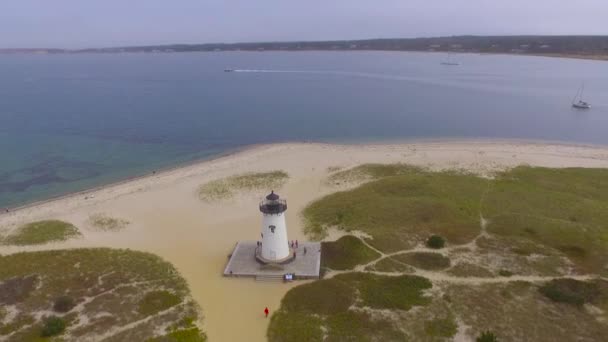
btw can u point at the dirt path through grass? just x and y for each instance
(438, 276)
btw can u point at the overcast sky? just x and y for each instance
(101, 23)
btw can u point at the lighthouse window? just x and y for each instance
(272, 228)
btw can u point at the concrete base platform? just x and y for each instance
(243, 263)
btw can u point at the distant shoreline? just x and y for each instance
(591, 57)
(565, 46)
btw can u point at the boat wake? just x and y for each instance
(355, 74)
(274, 71)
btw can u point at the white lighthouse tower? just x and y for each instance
(275, 246)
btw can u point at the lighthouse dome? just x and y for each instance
(272, 196)
(272, 204)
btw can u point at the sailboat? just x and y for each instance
(449, 61)
(578, 102)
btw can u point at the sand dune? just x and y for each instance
(167, 217)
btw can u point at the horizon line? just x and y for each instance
(298, 41)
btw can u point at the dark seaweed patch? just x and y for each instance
(48, 171)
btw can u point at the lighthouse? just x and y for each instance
(275, 246)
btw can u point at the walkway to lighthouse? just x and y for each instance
(242, 263)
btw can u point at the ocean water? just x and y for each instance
(70, 122)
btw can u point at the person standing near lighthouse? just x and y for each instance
(275, 245)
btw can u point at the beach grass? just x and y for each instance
(369, 172)
(441, 327)
(531, 315)
(565, 209)
(295, 327)
(156, 301)
(336, 307)
(103, 222)
(467, 269)
(227, 187)
(41, 232)
(387, 292)
(346, 253)
(402, 207)
(424, 260)
(123, 286)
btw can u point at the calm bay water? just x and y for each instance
(69, 122)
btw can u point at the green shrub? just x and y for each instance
(53, 326)
(64, 304)
(505, 273)
(486, 336)
(570, 291)
(435, 242)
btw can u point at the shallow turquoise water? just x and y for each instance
(69, 122)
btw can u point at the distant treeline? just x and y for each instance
(550, 45)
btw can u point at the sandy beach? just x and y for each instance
(167, 217)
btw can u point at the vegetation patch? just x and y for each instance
(424, 260)
(64, 304)
(524, 314)
(571, 291)
(441, 327)
(401, 207)
(156, 301)
(226, 188)
(294, 326)
(435, 242)
(336, 307)
(370, 172)
(486, 336)
(383, 292)
(326, 297)
(360, 326)
(561, 208)
(53, 326)
(108, 283)
(19, 322)
(17, 289)
(466, 269)
(42, 232)
(505, 273)
(346, 253)
(106, 223)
